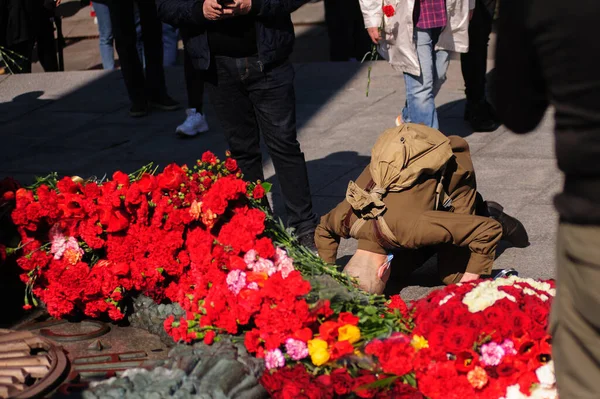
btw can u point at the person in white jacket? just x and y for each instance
(415, 39)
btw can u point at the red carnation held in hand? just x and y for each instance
(389, 11)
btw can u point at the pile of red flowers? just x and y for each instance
(485, 339)
(86, 244)
(196, 236)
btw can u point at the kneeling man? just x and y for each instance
(418, 191)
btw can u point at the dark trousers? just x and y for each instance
(140, 88)
(474, 63)
(348, 37)
(250, 101)
(194, 83)
(46, 43)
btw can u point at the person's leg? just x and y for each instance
(153, 50)
(274, 99)
(138, 32)
(337, 29)
(420, 99)
(575, 320)
(122, 18)
(46, 43)
(474, 68)
(194, 83)
(170, 37)
(474, 63)
(107, 52)
(235, 113)
(362, 41)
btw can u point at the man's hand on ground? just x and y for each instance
(374, 34)
(212, 10)
(238, 7)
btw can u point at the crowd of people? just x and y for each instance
(238, 50)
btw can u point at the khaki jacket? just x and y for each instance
(398, 45)
(411, 217)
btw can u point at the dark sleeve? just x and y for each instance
(275, 8)
(180, 13)
(520, 89)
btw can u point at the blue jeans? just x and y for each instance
(105, 31)
(170, 38)
(251, 100)
(421, 90)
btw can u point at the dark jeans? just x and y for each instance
(249, 99)
(194, 83)
(348, 37)
(474, 63)
(46, 43)
(123, 23)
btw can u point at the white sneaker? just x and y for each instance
(194, 123)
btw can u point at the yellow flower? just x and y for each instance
(315, 345)
(418, 342)
(319, 357)
(349, 333)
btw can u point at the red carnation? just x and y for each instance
(209, 157)
(209, 337)
(258, 192)
(231, 164)
(341, 381)
(304, 334)
(340, 349)
(171, 178)
(389, 11)
(347, 318)
(265, 248)
(329, 330)
(466, 361)
(121, 178)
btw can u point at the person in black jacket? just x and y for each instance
(547, 54)
(244, 45)
(22, 23)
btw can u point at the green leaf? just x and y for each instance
(370, 310)
(266, 186)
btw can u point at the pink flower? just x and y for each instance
(236, 280)
(253, 286)
(492, 354)
(58, 240)
(286, 267)
(296, 349)
(284, 263)
(265, 266)
(274, 359)
(250, 258)
(509, 347)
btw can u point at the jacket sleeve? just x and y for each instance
(520, 88)
(479, 234)
(180, 13)
(372, 13)
(327, 236)
(276, 8)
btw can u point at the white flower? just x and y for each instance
(514, 392)
(546, 375)
(446, 299)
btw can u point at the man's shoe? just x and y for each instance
(481, 117)
(513, 230)
(308, 240)
(164, 103)
(506, 273)
(194, 123)
(138, 110)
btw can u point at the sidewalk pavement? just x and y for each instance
(76, 123)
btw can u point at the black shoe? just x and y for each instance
(513, 230)
(138, 110)
(308, 240)
(164, 103)
(481, 117)
(506, 273)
